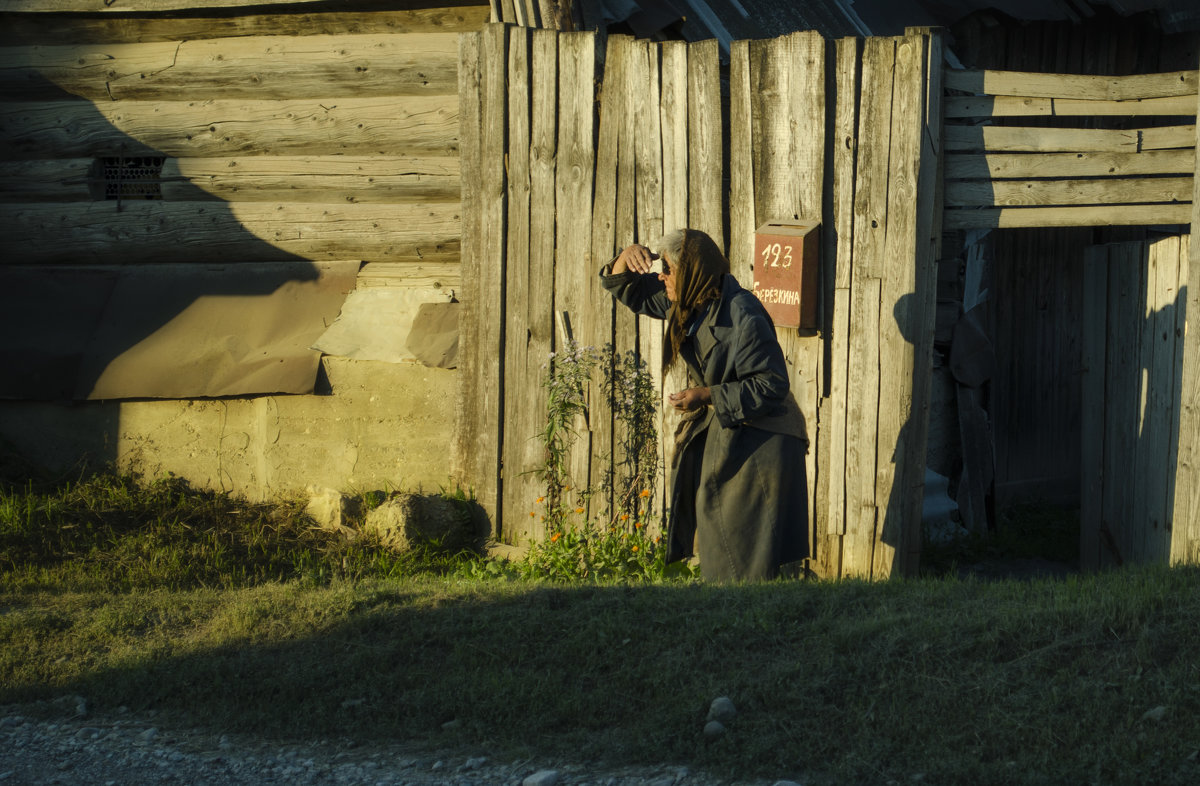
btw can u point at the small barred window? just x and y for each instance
(127, 177)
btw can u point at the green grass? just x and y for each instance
(960, 682)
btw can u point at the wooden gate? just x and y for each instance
(844, 134)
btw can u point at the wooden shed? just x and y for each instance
(196, 193)
(893, 152)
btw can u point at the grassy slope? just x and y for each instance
(963, 682)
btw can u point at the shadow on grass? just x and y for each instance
(1001, 682)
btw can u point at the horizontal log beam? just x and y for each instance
(1024, 106)
(1104, 191)
(1022, 165)
(420, 275)
(261, 67)
(52, 29)
(1066, 140)
(204, 129)
(134, 6)
(326, 179)
(1108, 215)
(1107, 88)
(155, 231)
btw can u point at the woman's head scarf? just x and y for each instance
(699, 267)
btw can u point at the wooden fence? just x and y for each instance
(845, 134)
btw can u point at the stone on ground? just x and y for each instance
(405, 521)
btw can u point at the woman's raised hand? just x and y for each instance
(637, 258)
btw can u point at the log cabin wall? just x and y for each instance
(274, 131)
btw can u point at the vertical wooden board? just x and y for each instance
(1185, 533)
(542, 156)
(1175, 435)
(612, 208)
(706, 198)
(929, 242)
(741, 167)
(650, 229)
(771, 131)
(806, 109)
(868, 270)
(861, 427)
(521, 415)
(494, 66)
(1095, 310)
(1145, 461)
(1164, 260)
(576, 285)
(467, 406)
(899, 330)
(833, 424)
(1124, 316)
(674, 120)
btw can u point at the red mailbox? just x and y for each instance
(785, 272)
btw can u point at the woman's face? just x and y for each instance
(668, 278)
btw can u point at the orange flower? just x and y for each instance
(624, 517)
(578, 510)
(532, 514)
(554, 538)
(635, 548)
(641, 513)
(645, 493)
(638, 525)
(541, 500)
(657, 538)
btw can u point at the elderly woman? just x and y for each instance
(738, 477)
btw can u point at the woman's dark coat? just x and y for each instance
(743, 462)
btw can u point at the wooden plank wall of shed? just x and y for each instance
(1035, 420)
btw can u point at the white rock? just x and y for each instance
(713, 730)
(407, 520)
(722, 710)
(329, 508)
(1156, 714)
(541, 778)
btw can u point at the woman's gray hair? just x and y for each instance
(669, 245)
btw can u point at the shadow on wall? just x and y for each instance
(108, 291)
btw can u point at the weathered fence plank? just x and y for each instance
(741, 164)
(577, 288)
(706, 196)
(1092, 449)
(1014, 106)
(1185, 533)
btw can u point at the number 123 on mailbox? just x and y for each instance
(785, 272)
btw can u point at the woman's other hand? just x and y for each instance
(690, 399)
(637, 258)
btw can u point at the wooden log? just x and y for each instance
(1167, 137)
(54, 30)
(328, 179)
(1045, 165)
(1023, 106)
(469, 407)
(1185, 527)
(1109, 215)
(412, 275)
(1108, 191)
(133, 6)
(1108, 88)
(258, 67)
(1094, 335)
(205, 129)
(706, 196)
(576, 285)
(151, 231)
